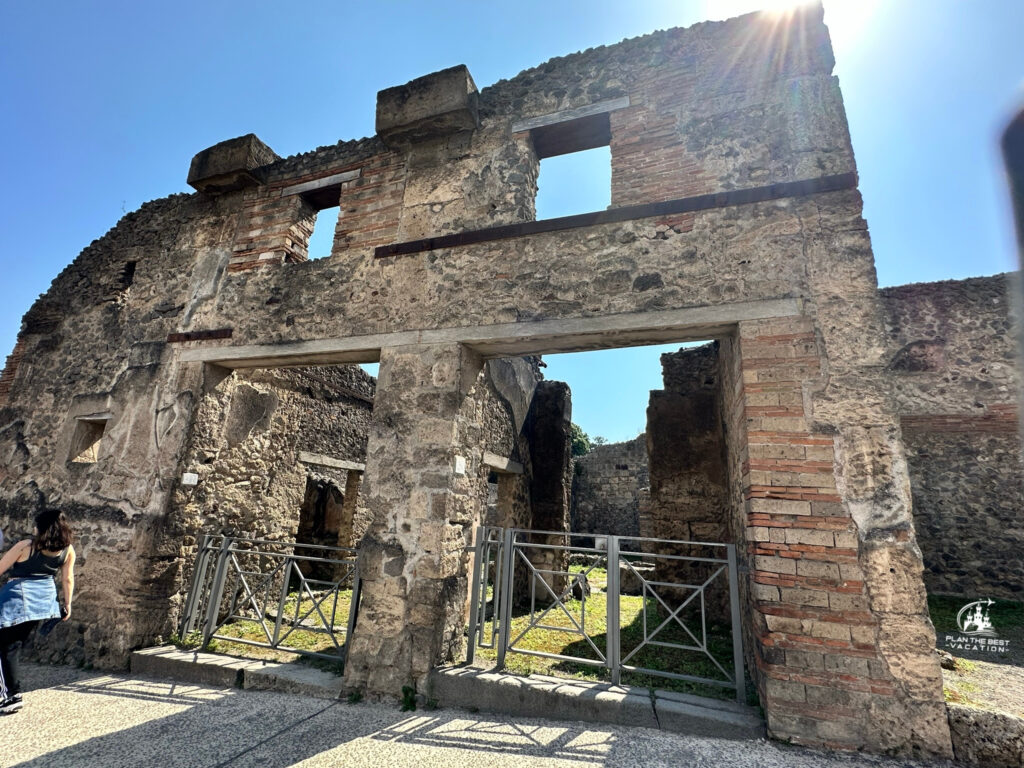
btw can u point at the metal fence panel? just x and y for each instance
(289, 590)
(531, 573)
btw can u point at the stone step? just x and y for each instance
(539, 695)
(169, 662)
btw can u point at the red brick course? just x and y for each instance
(275, 230)
(814, 632)
(10, 370)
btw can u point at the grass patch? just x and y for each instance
(303, 630)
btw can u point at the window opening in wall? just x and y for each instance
(128, 276)
(85, 444)
(322, 239)
(579, 182)
(575, 166)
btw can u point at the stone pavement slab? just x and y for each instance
(74, 718)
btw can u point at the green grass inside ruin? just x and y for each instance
(304, 631)
(565, 640)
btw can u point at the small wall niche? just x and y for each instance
(85, 443)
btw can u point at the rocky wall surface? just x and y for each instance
(94, 348)
(609, 486)
(685, 443)
(246, 441)
(689, 487)
(953, 373)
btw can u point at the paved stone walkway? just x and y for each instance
(73, 718)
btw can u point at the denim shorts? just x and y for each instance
(28, 599)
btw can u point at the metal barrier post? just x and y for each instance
(286, 574)
(737, 630)
(188, 619)
(474, 599)
(612, 594)
(353, 608)
(217, 589)
(505, 585)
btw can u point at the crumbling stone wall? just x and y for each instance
(686, 449)
(246, 442)
(689, 489)
(953, 373)
(610, 486)
(95, 345)
(775, 262)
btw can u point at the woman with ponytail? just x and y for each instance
(30, 596)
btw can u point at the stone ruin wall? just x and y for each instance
(686, 446)
(954, 378)
(610, 488)
(246, 442)
(953, 373)
(838, 640)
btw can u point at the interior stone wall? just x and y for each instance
(953, 374)
(689, 486)
(610, 485)
(686, 449)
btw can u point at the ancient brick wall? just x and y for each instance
(610, 484)
(784, 278)
(953, 372)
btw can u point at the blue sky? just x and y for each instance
(105, 103)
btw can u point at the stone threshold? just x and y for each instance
(563, 699)
(168, 662)
(476, 689)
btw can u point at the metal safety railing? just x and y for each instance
(282, 592)
(529, 582)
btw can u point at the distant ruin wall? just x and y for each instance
(685, 442)
(609, 486)
(953, 374)
(247, 438)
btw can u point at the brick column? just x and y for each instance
(829, 669)
(420, 486)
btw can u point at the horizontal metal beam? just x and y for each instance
(626, 213)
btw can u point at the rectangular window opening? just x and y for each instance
(128, 275)
(321, 241)
(579, 182)
(85, 444)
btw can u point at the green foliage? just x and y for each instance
(580, 441)
(408, 698)
(598, 440)
(355, 697)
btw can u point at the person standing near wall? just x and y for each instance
(30, 596)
